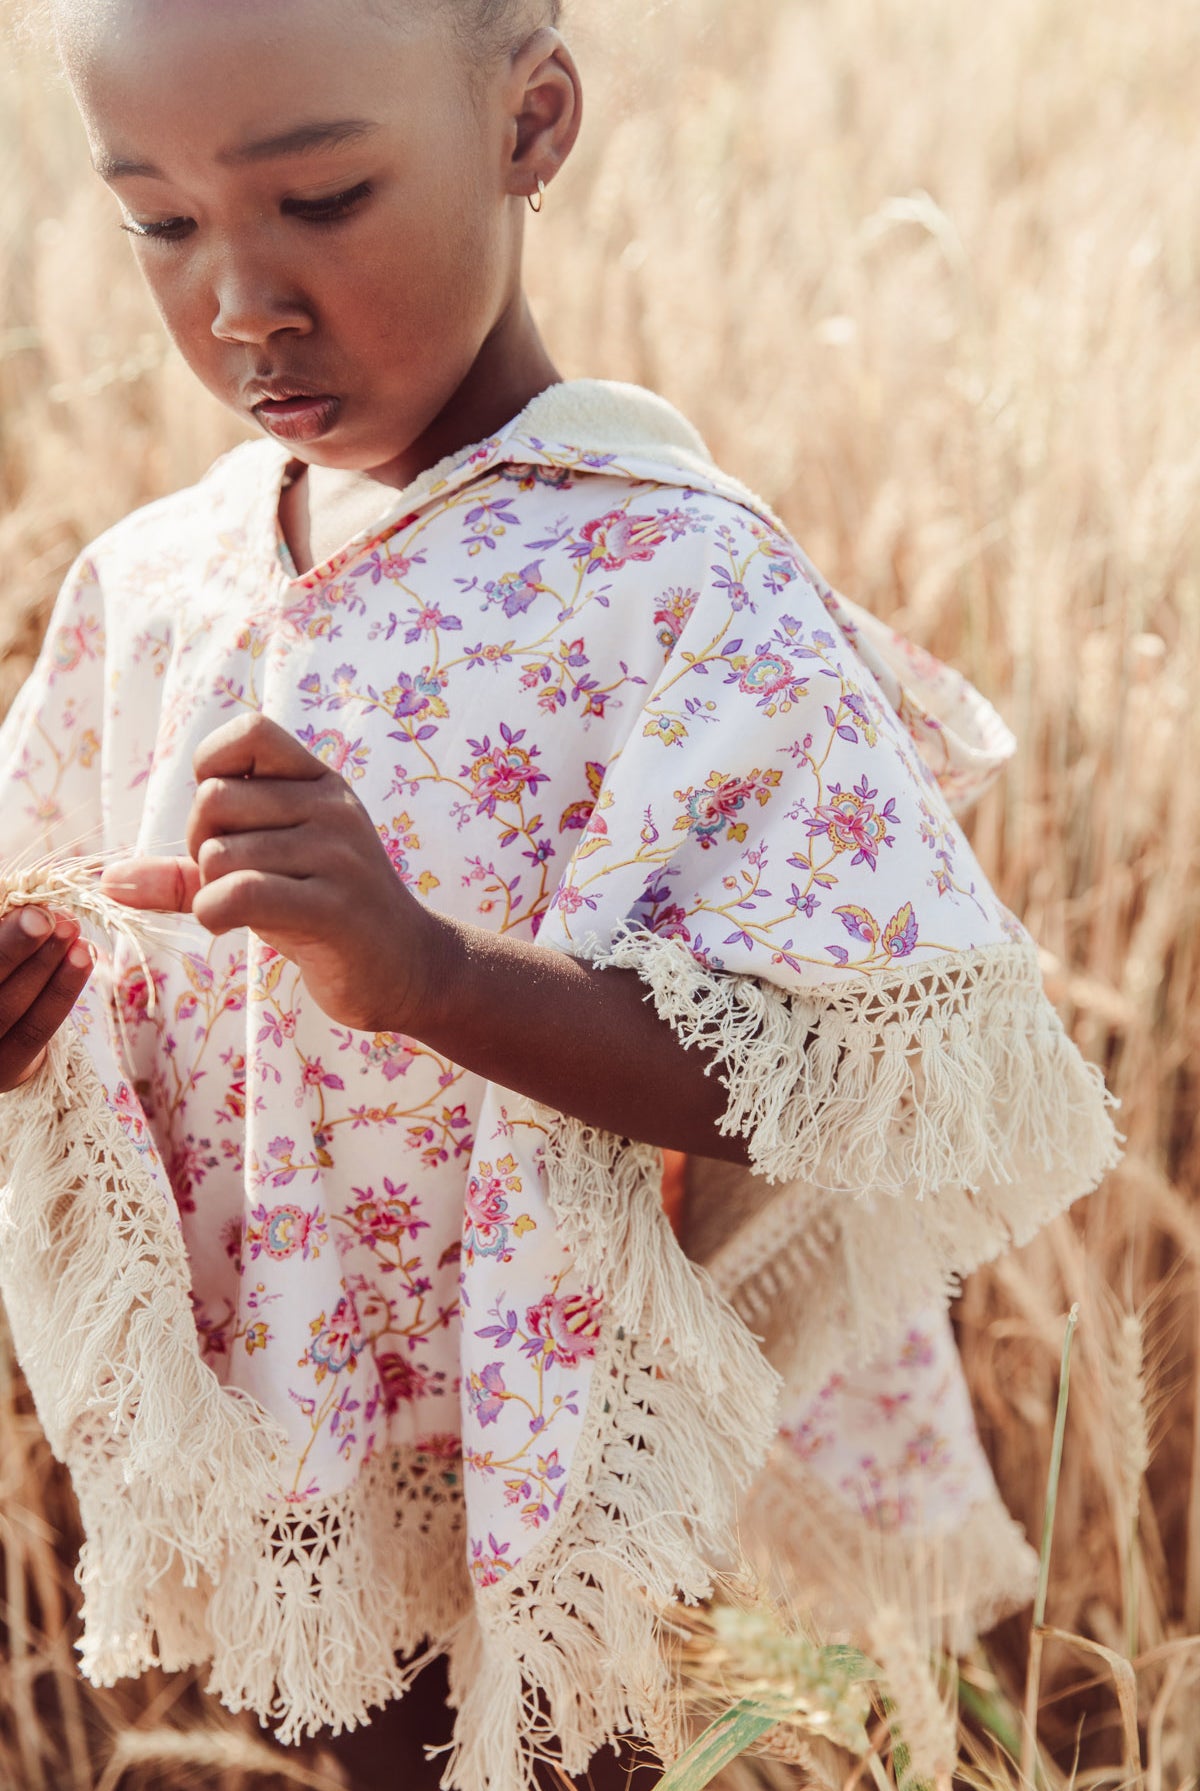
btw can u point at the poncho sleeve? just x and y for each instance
(50, 741)
(94, 1275)
(774, 851)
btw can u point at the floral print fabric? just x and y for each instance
(572, 691)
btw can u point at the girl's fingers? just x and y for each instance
(24, 931)
(64, 967)
(269, 904)
(240, 804)
(254, 746)
(28, 959)
(283, 851)
(164, 885)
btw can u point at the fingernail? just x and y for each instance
(81, 954)
(64, 926)
(35, 923)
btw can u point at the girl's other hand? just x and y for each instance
(280, 843)
(44, 965)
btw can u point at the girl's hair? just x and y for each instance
(490, 26)
(495, 26)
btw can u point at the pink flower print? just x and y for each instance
(671, 923)
(231, 1240)
(488, 1225)
(918, 1350)
(131, 1118)
(567, 1329)
(441, 1445)
(852, 824)
(927, 1449)
(133, 993)
(402, 1379)
(503, 773)
(385, 1219)
(772, 680)
(617, 538)
(285, 1231)
(486, 1205)
(315, 1075)
(889, 1405)
(670, 618)
(714, 808)
(488, 1570)
(190, 1162)
(233, 1100)
(336, 1345)
(487, 1393)
(349, 757)
(75, 642)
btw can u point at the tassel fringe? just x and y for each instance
(682, 1413)
(829, 1561)
(914, 1125)
(95, 1279)
(917, 1124)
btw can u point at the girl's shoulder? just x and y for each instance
(224, 505)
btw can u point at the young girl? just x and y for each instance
(526, 805)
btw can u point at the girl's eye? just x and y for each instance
(169, 230)
(328, 211)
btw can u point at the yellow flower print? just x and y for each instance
(665, 728)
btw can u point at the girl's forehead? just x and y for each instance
(230, 65)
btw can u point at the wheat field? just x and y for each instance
(927, 276)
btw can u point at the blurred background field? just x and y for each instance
(928, 276)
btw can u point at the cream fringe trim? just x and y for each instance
(96, 1282)
(831, 1562)
(682, 1412)
(921, 1121)
(189, 1556)
(953, 1080)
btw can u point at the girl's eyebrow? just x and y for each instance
(301, 140)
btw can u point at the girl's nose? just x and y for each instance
(251, 306)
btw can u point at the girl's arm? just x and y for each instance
(585, 1041)
(279, 843)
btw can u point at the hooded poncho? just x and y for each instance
(345, 1348)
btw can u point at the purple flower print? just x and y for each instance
(487, 1393)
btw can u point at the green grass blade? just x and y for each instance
(731, 1734)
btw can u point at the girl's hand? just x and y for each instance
(279, 843)
(43, 967)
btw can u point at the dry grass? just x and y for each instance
(926, 274)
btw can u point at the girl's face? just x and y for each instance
(326, 201)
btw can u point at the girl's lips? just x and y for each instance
(298, 419)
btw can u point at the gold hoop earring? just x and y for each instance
(541, 196)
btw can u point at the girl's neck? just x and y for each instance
(511, 368)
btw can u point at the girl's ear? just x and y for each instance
(545, 98)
